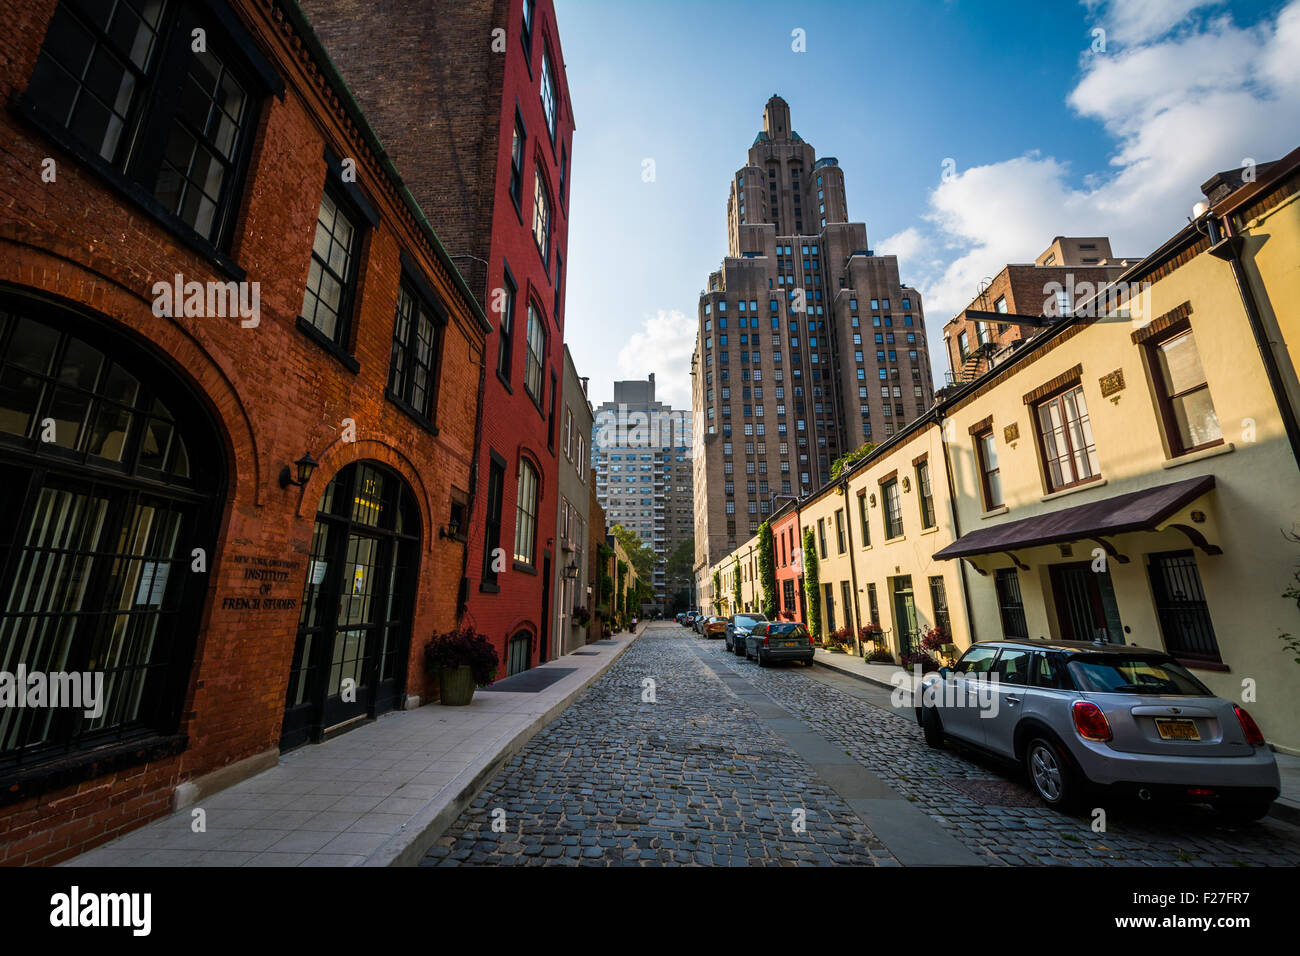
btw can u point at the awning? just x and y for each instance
(1136, 511)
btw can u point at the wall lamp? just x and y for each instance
(305, 465)
(571, 572)
(452, 530)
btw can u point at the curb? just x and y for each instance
(875, 681)
(427, 826)
(1286, 812)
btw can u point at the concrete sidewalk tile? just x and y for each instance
(303, 841)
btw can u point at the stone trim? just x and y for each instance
(1177, 314)
(1066, 378)
(983, 425)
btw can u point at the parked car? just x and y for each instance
(738, 628)
(773, 641)
(715, 627)
(700, 621)
(688, 619)
(1111, 718)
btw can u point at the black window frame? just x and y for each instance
(422, 297)
(925, 495)
(134, 175)
(494, 498)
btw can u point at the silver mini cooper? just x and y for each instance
(1111, 717)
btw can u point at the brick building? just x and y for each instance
(1067, 272)
(568, 631)
(808, 346)
(644, 476)
(481, 125)
(164, 526)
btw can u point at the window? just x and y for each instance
(862, 520)
(839, 531)
(526, 514)
(331, 278)
(1186, 407)
(527, 34)
(517, 162)
(1181, 609)
(1069, 451)
(568, 433)
(939, 601)
(98, 529)
(121, 81)
(549, 105)
(506, 328)
(541, 217)
(535, 357)
(1011, 605)
(986, 453)
(492, 520)
(893, 509)
(925, 494)
(821, 536)
(417, 346)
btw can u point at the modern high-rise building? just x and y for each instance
(808, 346)
(644, 479)
(483, 134)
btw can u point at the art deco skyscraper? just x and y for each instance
(808, 344)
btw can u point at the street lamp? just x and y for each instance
(304, 465)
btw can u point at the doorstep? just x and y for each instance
(380, 795)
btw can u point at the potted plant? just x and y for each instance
(462, 660)
(837, 639)
(870, 634)
(581, 616)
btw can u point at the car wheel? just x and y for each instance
(1245, 812)
(762, 658)
(933, 727)
(1050, 774)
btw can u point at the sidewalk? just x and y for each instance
(1286, 807)
(380, 795)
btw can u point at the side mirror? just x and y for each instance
(945, 672)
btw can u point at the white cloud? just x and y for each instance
(1182, 99)
(663, 346)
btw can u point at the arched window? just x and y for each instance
(112, 478)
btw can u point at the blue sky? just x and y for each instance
(1048, 137)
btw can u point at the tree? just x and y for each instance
(720, 602)
(682, 561)
(849, 457)
(812, 584)
(767, 570)
(642, 558)
(735, 585)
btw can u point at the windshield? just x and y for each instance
(749, 620)
(1115, 674)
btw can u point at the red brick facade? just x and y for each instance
(271, 391)
(787, 544)
(466, 98)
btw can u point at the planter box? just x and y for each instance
(457, 686)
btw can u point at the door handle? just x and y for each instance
(1013, 700)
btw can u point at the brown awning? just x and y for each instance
(1136, 511)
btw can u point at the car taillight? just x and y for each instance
(1089, 721)
(1254, 736)
(766, 640)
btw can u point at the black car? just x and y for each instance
(738, 628)
(774, 641)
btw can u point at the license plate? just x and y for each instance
(790, 644)
(1177, 729)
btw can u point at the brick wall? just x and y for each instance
(273, 392)
(440, 80)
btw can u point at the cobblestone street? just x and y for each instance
(698, 777)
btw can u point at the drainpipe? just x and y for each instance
(956, 529)
(1228, 247)
(463, 595)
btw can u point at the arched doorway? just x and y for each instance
(519, 652)
(113, 478)
(354, 629)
